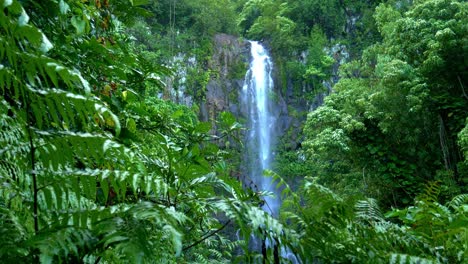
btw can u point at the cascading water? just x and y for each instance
(257, 102)
(259, 107)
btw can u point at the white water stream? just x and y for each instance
(258, 101)
(257, 98)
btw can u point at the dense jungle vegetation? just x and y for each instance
(98, 166)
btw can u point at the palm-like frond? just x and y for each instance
(63, 174)
(404, 258)
(459, 202)
(369, 211)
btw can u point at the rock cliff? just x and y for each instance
(229, 63)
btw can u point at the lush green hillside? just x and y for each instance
(95, 167)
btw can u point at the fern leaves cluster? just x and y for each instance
(332, 231)
(56, 155)
(93, 172)
(90, 174)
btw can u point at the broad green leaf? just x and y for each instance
(23, 19)
(203, 127)
(7, 3)
(46, 45)
(131, 125)
(79, 23)
(64, 7)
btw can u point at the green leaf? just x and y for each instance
(202, 127)
(131, 125)
(7, 3)
(23, 19)
(33, 35)
(177, 114)
(79, 23)
(114, 238)
(46, 45)
(105, 188)
(64, 7)
(48, 197)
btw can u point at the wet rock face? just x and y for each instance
(230, 51)
(228, 65)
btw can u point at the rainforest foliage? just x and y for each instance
(96, 168)
(395, 120)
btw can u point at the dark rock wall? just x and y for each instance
(229, 63)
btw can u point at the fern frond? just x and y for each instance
(368, 210)
(12, 145)
(63, 245)
(65, 155)
(281, 184)
(13, 234)
(431, 192)
(253, 220)
(126, 231)
(458, 202)
(212, 180)
(320, 192)
(396, 258)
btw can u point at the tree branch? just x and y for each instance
(32, 149)
(207, 236)
(462, 87)
(98, 259)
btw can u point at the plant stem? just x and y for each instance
(33, 167)
(207, 236)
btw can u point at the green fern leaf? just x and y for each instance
(369, 211)
(408, 259)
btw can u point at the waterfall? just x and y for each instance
(258, 104)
